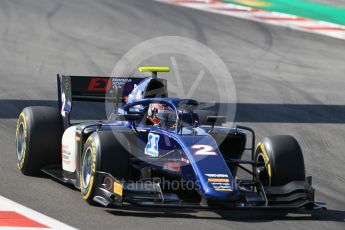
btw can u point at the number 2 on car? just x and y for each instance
(204, 150)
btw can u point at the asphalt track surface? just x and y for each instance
(287, 82)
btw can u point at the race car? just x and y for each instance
(154, 150)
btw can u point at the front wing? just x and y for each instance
(110, 191)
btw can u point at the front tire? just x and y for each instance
(102, 152)
(38, 139)
(283, 159)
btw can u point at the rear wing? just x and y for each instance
(92, 89)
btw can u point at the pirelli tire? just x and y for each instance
(102, 152)
(283, 159)
(38, 139)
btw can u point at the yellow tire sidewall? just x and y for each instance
(87, 194)
(262, 150)
(22, 120)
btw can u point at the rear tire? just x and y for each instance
(283, 160)
(38, 139)
(102, 152)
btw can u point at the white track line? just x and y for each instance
(259, 15)
(9, 205)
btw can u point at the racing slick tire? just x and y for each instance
(283, 160)
(38, 139)
(102, 152)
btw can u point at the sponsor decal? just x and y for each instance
(151, 148)
(223, 189)
(101, 84)
(217, 175)
(121, 81)
(218, 180)
(204, 150)
(66, 154)
(98, 84)
(221, 186)
(118, 188)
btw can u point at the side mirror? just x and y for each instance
(129, 117)
(216, 119)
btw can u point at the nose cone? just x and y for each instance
(219, 186)
(213, 175)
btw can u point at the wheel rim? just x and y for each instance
(262, 171)
(20, 141)
(87, 168)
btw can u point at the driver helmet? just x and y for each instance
(161, 114)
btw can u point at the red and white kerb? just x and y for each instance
(276, 18)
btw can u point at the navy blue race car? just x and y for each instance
(157, 151)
